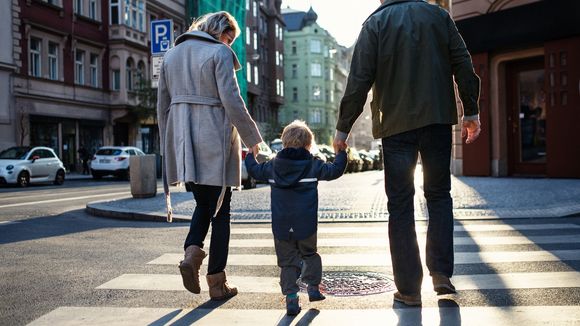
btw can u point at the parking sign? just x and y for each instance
(161, 36)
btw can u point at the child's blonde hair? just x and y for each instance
(297, 134)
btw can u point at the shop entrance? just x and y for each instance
(526, 117)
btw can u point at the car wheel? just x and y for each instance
(249, 183)
(59, 179)
(23, 179)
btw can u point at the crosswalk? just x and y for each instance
(489, 258)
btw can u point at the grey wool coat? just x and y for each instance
(201, 114)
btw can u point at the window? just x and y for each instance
(79, 67)
(277, 86)
(247, 5)
(129, 74)
(316, 92)
(294, 94)
(315, 46)
(255, 9)
(256, 76)
(140, 75)
(277, 58)
(94, 65)
(281, 59)
(141, 15)
(53, 2)
(281, 88)
(78, 4)
(293, 47)
(115, 12)
(277, 31)
(35, 50)
(332, 96)
(52, 60)
(248, 36)
(255, 41)
(134, 14)
(315, 116)
(249, 72)
(93, 9)
(294, 71)
(316, 70)
(331, 74)
(116, 79)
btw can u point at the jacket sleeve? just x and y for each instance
(256, 170)
(331, 171)
(233, 103)
(360, 79)
(467, 81)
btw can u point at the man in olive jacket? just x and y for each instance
(409, 52)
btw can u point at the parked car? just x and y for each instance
(276, 145)
(328, 151)
(368, 160)
(113, 160)
(25, 165)
(265, 154)
(354, 162)
(315, 151)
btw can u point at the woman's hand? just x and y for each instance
(256, 150)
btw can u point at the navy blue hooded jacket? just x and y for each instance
(293, 176)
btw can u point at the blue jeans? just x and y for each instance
(206, 198)
(400, 151)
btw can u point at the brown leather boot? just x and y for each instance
(189, 268)
(219, 288)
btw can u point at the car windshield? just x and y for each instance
(109, 151)
(277, 146)
(14, 153)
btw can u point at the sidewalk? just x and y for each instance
(361, 197)
(77, 176)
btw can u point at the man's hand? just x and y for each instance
(471, 129)
(256, 150)
(339, 145)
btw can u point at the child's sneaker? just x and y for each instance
(314, 293)
(292, 305)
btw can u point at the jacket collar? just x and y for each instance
(206, 37)
(389, 3)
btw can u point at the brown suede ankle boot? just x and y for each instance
(189, 268)
(219, 288)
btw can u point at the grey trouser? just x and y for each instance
(291, 253)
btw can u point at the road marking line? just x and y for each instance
(521, 315)
(384, 241)
(356, 259)
(65, 199)
(252, 284)
(384, 230)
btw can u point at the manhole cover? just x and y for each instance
(346, 284)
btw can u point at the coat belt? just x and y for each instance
(196, 99)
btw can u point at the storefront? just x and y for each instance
(528, 58)
(66, 137)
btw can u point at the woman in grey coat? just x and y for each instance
(201, 118)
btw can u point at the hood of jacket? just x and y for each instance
(203, 36)
(290, 166)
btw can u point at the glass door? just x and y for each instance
(527, 117)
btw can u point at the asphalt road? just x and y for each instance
(54, 255)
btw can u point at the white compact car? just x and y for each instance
(113, 160)
(26, 165)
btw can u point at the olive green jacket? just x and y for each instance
(408, 51)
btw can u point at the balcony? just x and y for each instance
(126, 33)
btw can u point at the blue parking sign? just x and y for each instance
(161, 36)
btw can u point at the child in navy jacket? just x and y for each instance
(293, 176)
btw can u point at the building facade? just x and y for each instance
(264, 41)
(527, 53)
(311, 70)
(79, 68)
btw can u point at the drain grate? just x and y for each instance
(346, 284)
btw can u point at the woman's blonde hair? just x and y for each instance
(215, 24)
(297, 134)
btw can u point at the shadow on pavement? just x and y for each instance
(191, 317)
(305, 320)
(76, 221)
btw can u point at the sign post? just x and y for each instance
(161, 42)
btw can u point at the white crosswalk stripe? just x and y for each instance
(332, 239)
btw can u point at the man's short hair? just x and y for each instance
(297, 134)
